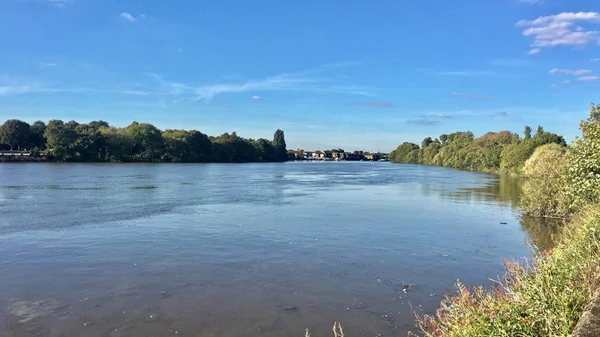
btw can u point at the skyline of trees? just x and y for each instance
(502, 151)
(97, 141)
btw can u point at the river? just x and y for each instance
(243, 249)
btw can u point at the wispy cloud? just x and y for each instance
(57, 3)
(48, 64)
(511, 63)
(595, 59)
(9, 90)
(256, 98)
(531, 2)
(378, 104)
(499, 113)
(128, 17)
(560, 30)
(297, 81)
(589, 78)
(439, 115)
(578, 72)
(422, 121)
(464, 95)
(456, 72)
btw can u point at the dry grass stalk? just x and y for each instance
(337, 326)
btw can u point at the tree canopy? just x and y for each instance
(493, 152)
(97, 141)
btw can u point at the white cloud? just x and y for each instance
(589, 78)
(558, 30)
(48, 64)
(566, 82)
(530, 2)
(463, 95)
(128, 17)
(596, 59)
(256, 98)
(298, 81)
(56, 3)
(14, 90)
(534, 51)
(578, 72)
(554, 85)
(457, 72)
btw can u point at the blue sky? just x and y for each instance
(354, 74)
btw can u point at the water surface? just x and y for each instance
(243, 250)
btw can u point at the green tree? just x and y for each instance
(60, 140)
(36, 136)
(280, 145)
(400, 155)
(425, 143)
(444, 138)
(527, 132)
(148, 144)
(15, 133)
(539, 132)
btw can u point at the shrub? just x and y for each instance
(584, 163)
(544, 192)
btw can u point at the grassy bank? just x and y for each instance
(542, 297)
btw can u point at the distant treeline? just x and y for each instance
(502, 151)
(139, 142)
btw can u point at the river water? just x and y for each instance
(243, 250)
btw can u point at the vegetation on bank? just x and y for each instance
(502, 151)
(97, 141)
(545, 296)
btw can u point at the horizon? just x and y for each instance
(330, 76)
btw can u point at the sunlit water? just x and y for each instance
(243, 250)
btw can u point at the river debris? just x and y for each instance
(406, 287)
(292, 308)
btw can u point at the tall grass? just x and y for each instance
(542, 297)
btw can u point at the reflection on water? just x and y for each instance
(501, 189)
(244, 250)
(544, 232)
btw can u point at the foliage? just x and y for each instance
(544, 191)
(15, 133)
(545, 298)
(502, 151)
(36, 134)
(97, 141)
(400, 155)
(584, 158)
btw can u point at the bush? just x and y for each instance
(584, 163)
(544, 192)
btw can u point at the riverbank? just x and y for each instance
(548, 295)
(543, 297)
